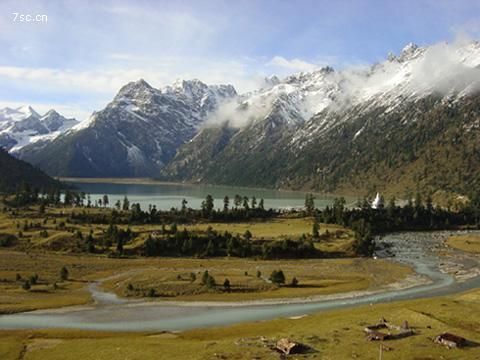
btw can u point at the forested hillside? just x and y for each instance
(16, 173)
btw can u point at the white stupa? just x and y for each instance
(378, 202)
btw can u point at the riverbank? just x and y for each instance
(425, 251)
(410, 281)
(335, 332)
(318, 276)
(330, 335)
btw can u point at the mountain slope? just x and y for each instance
(409, 123)
(135, 135)
(15, 172)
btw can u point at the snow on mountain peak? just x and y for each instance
(271, 81)
(53, 121)
(142, 83)
(17, 114)
(415, 73)
(50, 113)
(23, 125)
(7, 111)
(409, 50)
(135, 89)
(193, 89)
(289, 101)
(28, 111)
(9, 114)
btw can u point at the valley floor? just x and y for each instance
(336, 334)
(42, 247)
(170, 278)
(331, 335)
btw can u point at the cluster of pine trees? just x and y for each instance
(213, 243)
(243, 209)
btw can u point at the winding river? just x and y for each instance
(443, 270)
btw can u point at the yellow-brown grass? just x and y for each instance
(170, 278)
(469, 243)
(331, 335)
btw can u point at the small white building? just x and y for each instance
(378, 203)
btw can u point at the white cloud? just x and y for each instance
(292, 65)
(97, 86)
(101, 80)
(122, 68)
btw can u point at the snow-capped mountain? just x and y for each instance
(417, 72)
(22, 126)
(409, 122)
(360, 128)
(135, 135)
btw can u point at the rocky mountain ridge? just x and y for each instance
(136, 134)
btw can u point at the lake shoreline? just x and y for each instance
(152, 181)
(167, 195)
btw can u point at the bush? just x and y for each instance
(26, 285)
(7, 240)
(205, 277)
(33, 279)
(277, 277)
(63, 273)
(226, 285)
(208, 280)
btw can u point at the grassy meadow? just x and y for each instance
(331, 335)
(171, 278)
(46, 242)
(469, 243)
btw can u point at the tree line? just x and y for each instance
(418, 214)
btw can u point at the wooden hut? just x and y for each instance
(288, 347)
(450, 340)
(374, 335)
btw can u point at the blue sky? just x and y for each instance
(82, 55)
